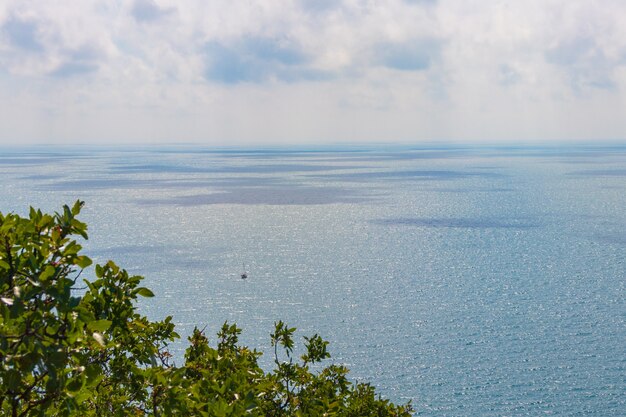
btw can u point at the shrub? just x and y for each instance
(86, 351)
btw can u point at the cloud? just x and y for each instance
(273, 50)
(70, 69)
(319, 5)
(149, 11)
(78, 62)
(509, 75)
(421, 2)
(230, 66)
(58, 42)
(22, 34)
(416, 55)
(304, 70)
(258, 59)
(584, 62)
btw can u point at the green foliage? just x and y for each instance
(67, 351)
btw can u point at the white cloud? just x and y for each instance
(299, 70)
(149, 11)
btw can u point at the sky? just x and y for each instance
(284, 72)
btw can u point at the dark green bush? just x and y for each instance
(93, 355)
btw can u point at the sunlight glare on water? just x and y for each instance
(472, 281)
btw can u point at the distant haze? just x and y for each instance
(231, 72)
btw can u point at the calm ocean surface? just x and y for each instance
(472, 281)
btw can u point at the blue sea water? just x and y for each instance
(482, 281)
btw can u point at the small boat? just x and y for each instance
(244, 275)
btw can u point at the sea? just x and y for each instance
(471, 280)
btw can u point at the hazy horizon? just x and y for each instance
(330, 146)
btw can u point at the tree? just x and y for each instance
(81, 348)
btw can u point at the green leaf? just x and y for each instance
(47, 273)
(75, 384)
(77, 206)
(57, 358)
(99, 325)
(83, 261)
(92, 372)
(144, 292)
(85, 314)
(12, 379)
